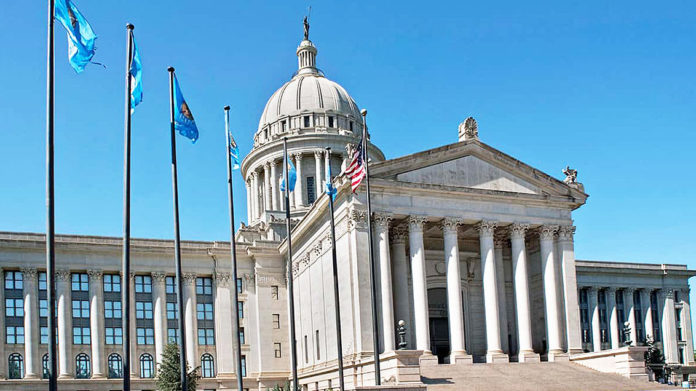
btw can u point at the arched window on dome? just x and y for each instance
(15, 366)
(44, 365)
(207, 365)
(83, 367)
(115, 366)
(147, 369)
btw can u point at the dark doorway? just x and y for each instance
(439, 324)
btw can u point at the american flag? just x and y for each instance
(356, 168)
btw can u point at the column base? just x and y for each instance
(31, 376)
(461, 357)
(98, 376)
(65, 376)
(495, 357)
(575, 351)
(557, 355)
(528, 356)
(427, 359)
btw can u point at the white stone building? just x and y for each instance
(474, 251)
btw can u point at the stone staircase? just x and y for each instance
(545, 376)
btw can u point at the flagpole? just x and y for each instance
(373, 272)
(177, 244)
(125, 286)
(291, 292)
(233, 250)
(337, 302)
(50, 204)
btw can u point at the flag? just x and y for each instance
(356, 168)
(136, 76)
(292, 178)
(183, 119)
(330, 189)
(234, 151)
(81, 37)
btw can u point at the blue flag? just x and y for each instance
(81, 37)
(330, 189)
(183, 119)
(292, 178)
(234, 151)
(136, 77)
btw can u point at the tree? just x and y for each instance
(654, 358)
(168, 375)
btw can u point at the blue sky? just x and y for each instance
(607, 88)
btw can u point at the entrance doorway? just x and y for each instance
(439, 324)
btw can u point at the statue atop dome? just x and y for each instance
(306, 28)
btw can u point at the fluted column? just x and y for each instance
(65, 362)
(420, 289)
(159, 296)
(382, 233)
(490, 293)
(592, 301)
(318, 173)
(96, 323)
(274, 185)
(686, 327)
(402, 307)
(548, 260)
(628, 300)
(669, 327)
(570, 289)
(268, 205)
(613, 318)
(454, 292)
(499, 241)
(647, 312)
(249, 205)
(255, 195)
(31, 325)
(521, 283)
(190, 318)
(224, 326)
(299, 185)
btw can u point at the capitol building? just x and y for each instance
(474, 251)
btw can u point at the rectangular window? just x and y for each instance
(306, 121)
(244, 373)
(239, 285)
(113, 336)
(80, 282)
(112, 309)
(143, 310)
(206, 336)
(145, 335)
(44, 335)
(306, 350)
(14, 307)
(331, 122)
(277, 350)
(80, 309)
(173, 335)
(350, 125)
(284, 125)
(14, 280)
(170, 284)
(242, 339)
(316, 342)
(43, 308)
(81, 336)
(112, 283)
(14, 335)
(143, 284)
(240, 309)
(276, 321)
(311, 195)
(204, 311)
(172, 311)
(204, 286)
(42, 281)
(274, 292)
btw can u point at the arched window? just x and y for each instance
(44, 362)
(16, 366)
(147, 369)
(207, 365)
(115, 366)
(83, 368)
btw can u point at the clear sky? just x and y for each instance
(606, 87)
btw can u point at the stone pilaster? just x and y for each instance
(191, 337)
(381, 228)
(494, 353)
(96, 323)
(224, 325)
(159, 315)
(63, 294)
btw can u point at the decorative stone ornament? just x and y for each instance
(571, 178)
(468, 130)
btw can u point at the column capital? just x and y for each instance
(566, 233)
(629, 289)
(63, 275)
(222, 279)
(273, 163)
(297, 156)
(189, 278)
(547, 232)
(255, 174)
(382, 220)
(399, 234)
(267, 166)
(29, 273)
(451, 224)
(95, 274)
(318, 154)
(159, 277)
(415, 223)
(356, 217)
(518, 230)
(486, 228)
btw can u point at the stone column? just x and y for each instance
(255, 195)
(319, 176)
(548, 260)
(299, 185)
(96, 323)
(521, 283)
(686, 327)
(267, 186)
(454, 293)
(647, 312)
(490, 293)
(400, 273)
(628, 299)
(570, 289)
(191, 337)
(613, 318)
(159, 315)
(420, 290)
(274, 185)
(669, 327)
(499, 241)
(381, 228)
(63, 295)
(593, 304)
(249, 206)
(32, 360)
(224, 326)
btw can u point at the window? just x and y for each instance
(240, 309)
(80, 282)
(143, 310)
(306, 121)
(204, 286)
(239, 285)
(15, 366)
(244, 366)
(112, 283)
(207, 366)
(14, 335)
(277, 350)
(113, 336)
(284, 125)
(172, 335)
(14, 307)
(112, 309)
(276, 321)
(170, 284)
(317, 344)
(204, 311)
(145, 335)
(43, 308)
(80, 309)
(83, 368)
(14, 280)
(143, 284)
(172, 311)
(350, 125)
(655, 317)
(206, 336)
(115, 366)
(44, 335)
(242, 339)
(147, 369)
(331, 122)
(311, 195)
(306, 350)
(274, 292)
(81, 336)
(42, 282)
(44, 365)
